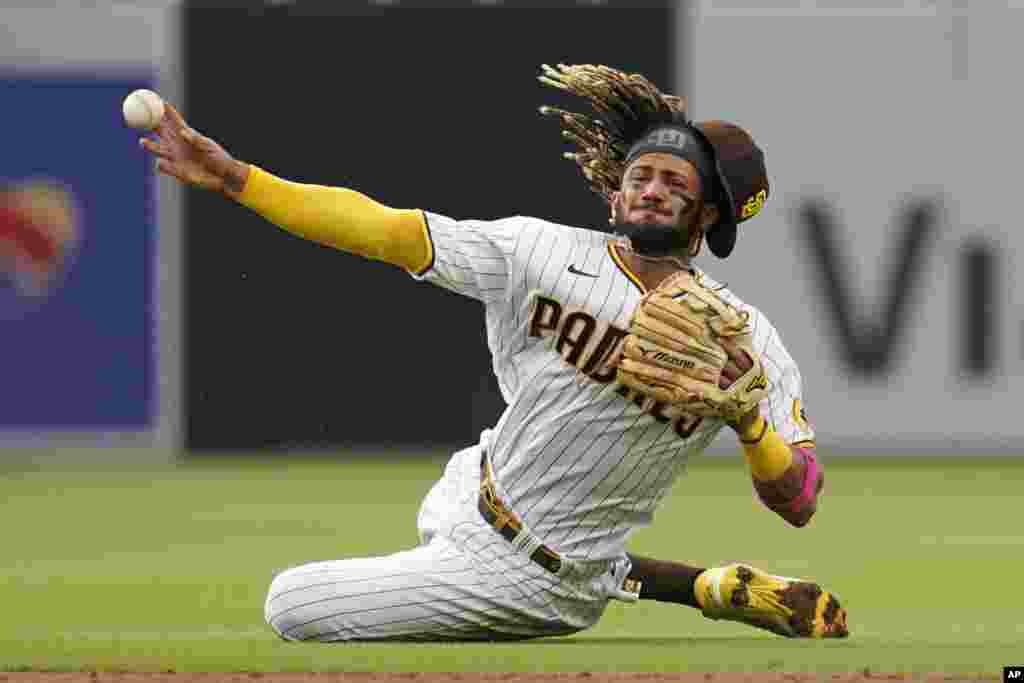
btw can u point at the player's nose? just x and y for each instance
(654, 193)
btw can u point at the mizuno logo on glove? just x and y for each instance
(663, 357)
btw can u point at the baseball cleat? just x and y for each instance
(789, 607)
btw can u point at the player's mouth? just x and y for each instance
(654, 216)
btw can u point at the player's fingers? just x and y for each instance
(173, 118)
(193, 137)
(737, 355)
(196, 141)
(730, 373)
(155, 148)
(167, 133)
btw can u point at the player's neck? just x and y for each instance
(652, 269)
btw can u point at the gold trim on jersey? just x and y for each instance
(800, 416)
(429, 236)
(625, 269)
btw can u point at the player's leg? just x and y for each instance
(432, 592)
(786, 606)
(464, 582)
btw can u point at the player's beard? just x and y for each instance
(656, 239)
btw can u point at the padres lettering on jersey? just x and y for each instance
(579, 458)
(589, 345)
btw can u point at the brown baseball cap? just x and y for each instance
(742, 180)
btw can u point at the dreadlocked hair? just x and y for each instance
(625, 106)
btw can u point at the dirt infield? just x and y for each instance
(93, 677)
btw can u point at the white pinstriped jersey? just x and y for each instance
(581, 460)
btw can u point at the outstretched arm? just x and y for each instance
(787, 477)
(334, 216)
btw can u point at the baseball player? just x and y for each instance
(618, 359)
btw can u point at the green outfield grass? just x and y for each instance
(166, 567)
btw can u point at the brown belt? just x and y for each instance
(505, 521)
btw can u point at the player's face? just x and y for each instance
(660, 189)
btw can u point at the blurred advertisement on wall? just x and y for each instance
(77, 238)
(886, 253)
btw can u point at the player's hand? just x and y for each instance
(193, 158)
(737, 365)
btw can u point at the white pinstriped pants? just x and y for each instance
(464, 582)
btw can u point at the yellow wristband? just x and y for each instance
(755, 432)
(769, 456)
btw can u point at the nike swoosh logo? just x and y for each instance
(572, 269)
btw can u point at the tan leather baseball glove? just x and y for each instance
(674, 351)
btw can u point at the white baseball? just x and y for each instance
(143, 109)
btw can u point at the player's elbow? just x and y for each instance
(812, 478)
(799, 518)
(794, 495)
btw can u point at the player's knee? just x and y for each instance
(282, 614)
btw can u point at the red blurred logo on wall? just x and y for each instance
(39, 232)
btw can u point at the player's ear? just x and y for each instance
(615, 206)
